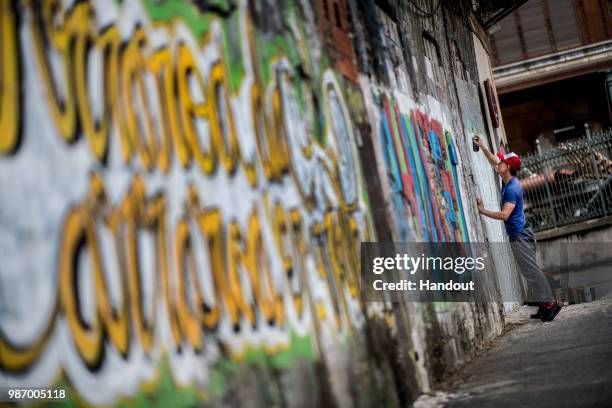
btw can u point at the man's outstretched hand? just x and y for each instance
(493, 159)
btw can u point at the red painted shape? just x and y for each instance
(424, 125)
(492, 103)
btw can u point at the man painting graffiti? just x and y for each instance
(520, 234)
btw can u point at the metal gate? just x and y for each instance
(568, 183)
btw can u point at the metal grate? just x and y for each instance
(569, 183)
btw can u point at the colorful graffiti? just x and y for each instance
(182, 201)
(184, 207)
(421, 160)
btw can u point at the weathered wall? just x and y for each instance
(432, 181)
(580, 249)
(580, 259)
(487, 184)
(184, 187)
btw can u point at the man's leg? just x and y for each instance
(524, 250)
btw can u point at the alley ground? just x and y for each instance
(564, 363)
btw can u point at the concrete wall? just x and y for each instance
(488, 184)
(579, 258)
(184, 187)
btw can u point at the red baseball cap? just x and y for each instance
(512, 160)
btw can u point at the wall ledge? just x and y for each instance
(573, 228)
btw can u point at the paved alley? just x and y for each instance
(565, 363)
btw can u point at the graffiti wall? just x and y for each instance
(421, 159)
(431, 174)
(169, 197)
(182, 201)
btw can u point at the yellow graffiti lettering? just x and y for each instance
(337, 273)
(298, 268)
(185, 264)
(96, 130)
(194, 110)
(324, 269)
(235, 298)
(159, 223)
(281, 232)
(210, 224)
(279, 147)
(222, 127)
(134, 213)
(109, 42)
(9, 79)
(139, 121)
(342, 255)
(161, 102)
(47, 31)
(161, 65)
(79, 235)
(258, 265)
(261, 130)
(115, 321)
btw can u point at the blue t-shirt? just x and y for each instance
(512, 193)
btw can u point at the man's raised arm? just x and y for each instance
(493, 159)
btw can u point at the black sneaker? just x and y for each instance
(549, 314)
(537, 315)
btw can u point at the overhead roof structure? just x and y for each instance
(492, 11)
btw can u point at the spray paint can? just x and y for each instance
(475, 146)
